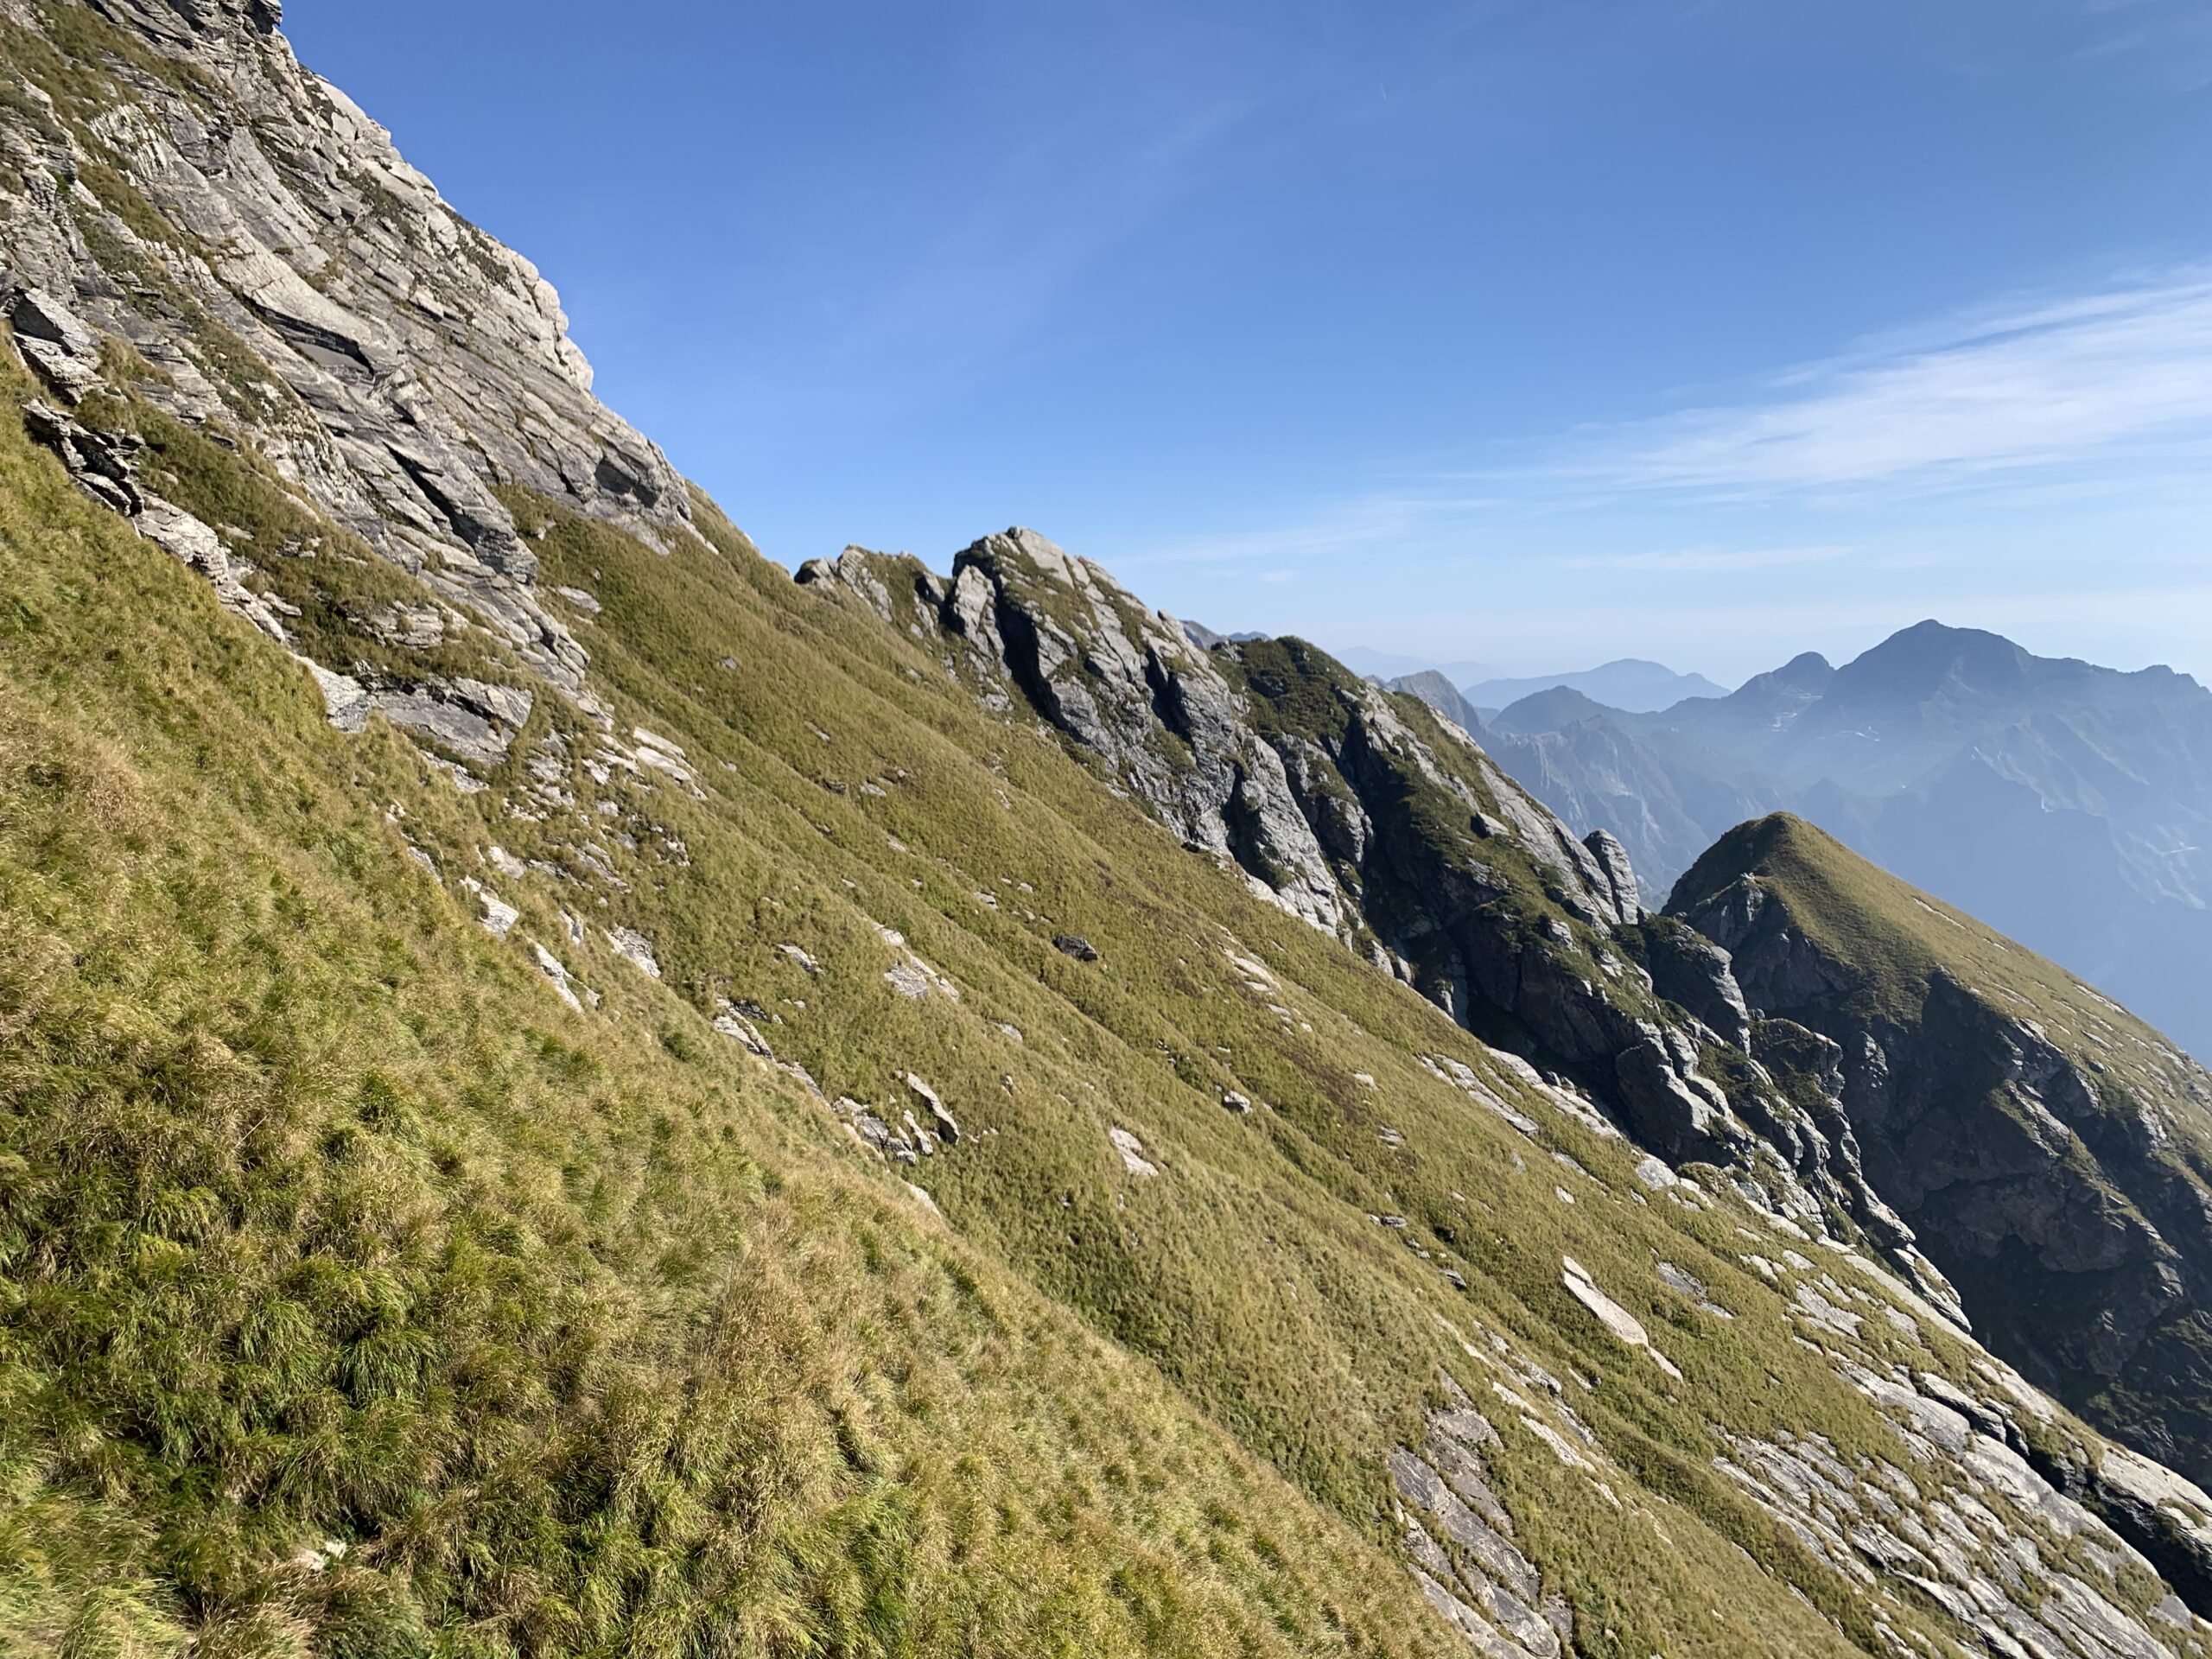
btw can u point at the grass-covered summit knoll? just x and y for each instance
(2055, 1153)
(565, 1093)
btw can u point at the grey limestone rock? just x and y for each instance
(941, 1119)
(469, 718)
(1690, 969)
(1496, 1596)
(1620, 878)
(1268, 757)
(401, 362)
(635, 948)
(55, 340)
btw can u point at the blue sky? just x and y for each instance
(1536, 332)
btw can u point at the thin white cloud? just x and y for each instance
(2119, 378)
(1710, 559)
(2059, 402)
(1357, 526)
(2169, 44)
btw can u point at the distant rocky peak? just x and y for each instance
(1550, 711)
(1920, 659)
(1808, 669)
(1439, 694)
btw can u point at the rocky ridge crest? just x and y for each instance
(1356, 811)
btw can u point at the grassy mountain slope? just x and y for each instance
(637, 1160)
(2055, 1152)
(580, 1329)
(323, 1219)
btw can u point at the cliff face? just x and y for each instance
(233, 243)
(2051, 1152)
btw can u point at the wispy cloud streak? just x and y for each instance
(2118, 376)
(1710, 559)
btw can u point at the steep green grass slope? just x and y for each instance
(357, 1297)
(584, 1331)
(762, 1147)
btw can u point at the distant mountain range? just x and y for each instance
(2067, 802)
(1630, 683)
(1395, 665)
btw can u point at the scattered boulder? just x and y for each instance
(499, 917)
(875, 1134)
(55, 342)
(734, 1023)
(1610, 1314)
(1132, 1151)
(635, 948)
(947, 1129)
(553, 969)
(1074, 945)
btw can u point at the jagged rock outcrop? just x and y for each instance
(2050, 1153)
(240, 246)
(1984, 1552)
(1692, 971)
(1459, 1540)
(1128, 686)
(1356, 809)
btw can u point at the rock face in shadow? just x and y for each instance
(1360, 812)
(2051, 1152)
